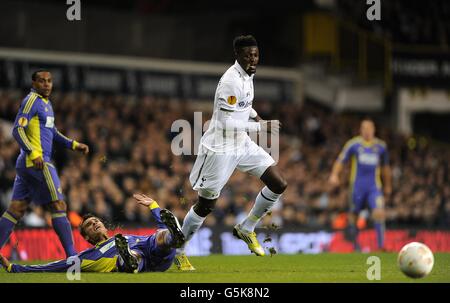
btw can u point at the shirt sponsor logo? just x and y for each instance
(107, 247)
(369, 159)
(50, 122)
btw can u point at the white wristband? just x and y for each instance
(253, 114)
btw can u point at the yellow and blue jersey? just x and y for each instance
(35, 131)
(104, 256)
(366, 158)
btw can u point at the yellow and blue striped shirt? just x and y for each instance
(35, 131)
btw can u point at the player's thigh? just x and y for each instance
(255, 160)
(356, 200)
(22, 188)
(47, 185)
(211, 172)
(376, 204)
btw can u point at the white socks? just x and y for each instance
(191, 224)
(263, 203)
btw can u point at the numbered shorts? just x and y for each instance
(361, 198)
(211, 170)
(37, 186)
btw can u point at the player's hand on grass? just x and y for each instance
(143, 199)
(82, 148)
(4, 262)
(270, 126)
(38, 163)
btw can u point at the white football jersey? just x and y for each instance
(234, 98)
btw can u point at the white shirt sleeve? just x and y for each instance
(225, 121)
(228, 96)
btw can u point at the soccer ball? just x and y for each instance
(415, 260)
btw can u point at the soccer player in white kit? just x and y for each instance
(226, 146)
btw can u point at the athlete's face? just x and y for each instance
(43, 84)
(248, 58)
(94, 229)
(367, 130)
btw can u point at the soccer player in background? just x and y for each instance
(36, 179)
(226, 146)
(369, 159)
(130, 253)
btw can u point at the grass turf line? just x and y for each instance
(279, 268)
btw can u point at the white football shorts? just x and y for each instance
(212, 170)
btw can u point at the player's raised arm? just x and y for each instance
(152, 205)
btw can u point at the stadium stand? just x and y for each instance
(125, 159)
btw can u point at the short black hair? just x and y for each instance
(83, 219)
(34, 75)
(244, 41)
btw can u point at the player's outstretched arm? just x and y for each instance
(69, 143)
(58, 266)
(81, 147)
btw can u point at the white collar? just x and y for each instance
(242, 71)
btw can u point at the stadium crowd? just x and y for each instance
(130, 140)
(404, 21)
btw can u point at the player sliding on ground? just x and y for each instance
(226, 146)
(120, 253)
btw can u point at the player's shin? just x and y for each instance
(353, 235)
(380, 228)
(191, 223)
(7, 223)
(62, 228)
(263, 203)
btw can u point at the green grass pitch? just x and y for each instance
(279, 268)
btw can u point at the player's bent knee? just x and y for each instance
(204, 206)
(58, 206)
(18, 209)
(278, 187)
(160, 235)
(378, 215)
(283, 185)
